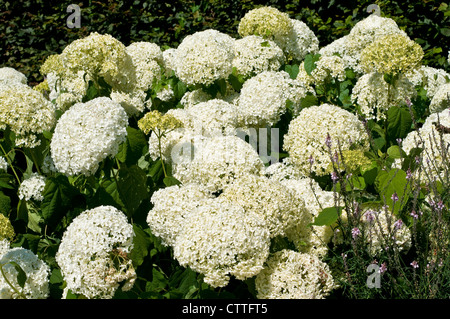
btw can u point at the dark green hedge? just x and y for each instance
(32, 30)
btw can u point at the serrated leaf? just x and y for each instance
(132, 187)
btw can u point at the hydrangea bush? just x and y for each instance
(263, 166)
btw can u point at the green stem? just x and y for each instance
(35, 162)
(160, 154)
(9, 283)
(10, 164)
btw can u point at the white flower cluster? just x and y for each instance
(263, 97)
(26, 112)
(428, 138)
(299, 42)
(293, 36)
(367, 31)
(254, 54)
(3, 164)
(147, 59)
(382, 227)
(375, 96)
(86, 134)
(306, 138)
(218, 161)
(204, 57)
(221, 240)
(32, 187)
(9, 75)
(99, 55)
(429, 78)
(275, 204)
(37, 274)
(93, 254)
(292, 275)
(171, 206)
(441, 99)
(328, 67)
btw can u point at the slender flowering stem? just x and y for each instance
(10, 164)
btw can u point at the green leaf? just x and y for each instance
(396, 152)
(58, 194)
(388, 183)
(134, 146)
(309, 100)
(21, 275)
(132, 187)
(399, 122)
(310, 62)
(5, 204)
(141, 243)
(327, 216)
(170, 181)
(292, 70)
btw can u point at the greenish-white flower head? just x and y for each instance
(288, 274)
(26, 112)
(267, 22)
(392, 54)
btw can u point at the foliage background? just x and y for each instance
(32, 30)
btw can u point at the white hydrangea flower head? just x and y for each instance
(274, 203)
(381, 225)
(300, 41)
(441, 99)
(86, 134)
(93, 253)
(213, 117)
(3, 164)
(37, 272)
(169, 61)
(367, 31)
(204, 57)
(147, 58)
(26, 112)
(4, 246)
(193, 97)
(32, 187)
(100, 55)
(254, 54)
(375, 96)
(285, 169)
(308, 132)
(291, 275)
(10, 75)
(315, 239)
(429, 140)
(218, 161)
(221, 240)
(327, 68)
(263, 97)
(133, 103)
(339, 47)
(431, 79)
(171, 206)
